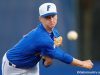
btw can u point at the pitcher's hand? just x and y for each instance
(87, 64)
(47, 61)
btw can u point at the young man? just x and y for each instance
(42, 42)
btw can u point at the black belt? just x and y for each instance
(12, 65)
(15, 66)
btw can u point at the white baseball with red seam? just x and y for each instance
(72, 35)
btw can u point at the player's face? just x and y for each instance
(49, 21)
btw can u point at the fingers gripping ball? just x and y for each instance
(72, 35)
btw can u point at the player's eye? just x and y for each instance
(49, 17)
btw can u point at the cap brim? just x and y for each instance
(49, 14)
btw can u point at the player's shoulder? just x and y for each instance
(38, 31)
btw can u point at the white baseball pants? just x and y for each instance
(11, 70)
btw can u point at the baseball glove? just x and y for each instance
(58, 41)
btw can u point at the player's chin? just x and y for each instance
(52, 26)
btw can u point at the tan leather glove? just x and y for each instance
(58, 41)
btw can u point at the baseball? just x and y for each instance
(72, 35)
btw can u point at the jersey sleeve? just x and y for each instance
(59, 54)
